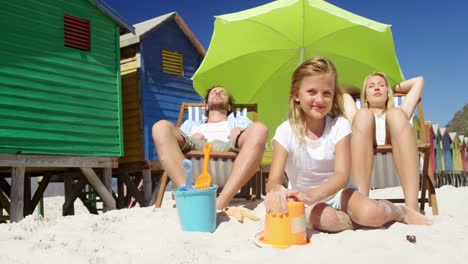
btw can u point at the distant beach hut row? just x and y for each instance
(449, 150)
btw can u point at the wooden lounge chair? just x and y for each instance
(385, 173)
(220, 162)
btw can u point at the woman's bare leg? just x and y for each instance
(367, 212)
(362, 149)
(405, 154)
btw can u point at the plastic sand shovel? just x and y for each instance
(204, 180)
(187, 164)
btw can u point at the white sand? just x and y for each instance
(149, 235)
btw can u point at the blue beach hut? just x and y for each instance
(157, 64)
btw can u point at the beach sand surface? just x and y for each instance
(150, 235)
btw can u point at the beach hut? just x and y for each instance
(439, 155)
(465, 160)
(60, 100)
(157, 64)
(456, 155)
(461, 139)
(432, 159)
(417, 130)
(446, 149)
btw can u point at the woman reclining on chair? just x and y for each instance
(380, 123)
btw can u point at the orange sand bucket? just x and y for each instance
(282, 231)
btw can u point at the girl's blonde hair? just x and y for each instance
(312, 67)
(389, 103)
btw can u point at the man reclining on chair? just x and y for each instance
(225, 131)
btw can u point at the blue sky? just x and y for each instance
(431, 38)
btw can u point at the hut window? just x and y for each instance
(77, 32)
(419, 134)
(172, 62)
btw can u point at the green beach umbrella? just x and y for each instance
(253, 53)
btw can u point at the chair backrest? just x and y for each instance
(220, 163)
(384, 173)
(196, 111)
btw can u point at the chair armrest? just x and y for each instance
(388, 148)
(213, 154)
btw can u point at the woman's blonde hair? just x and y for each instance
(389, 103)
(312, 67)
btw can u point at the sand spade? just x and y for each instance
(204, 180)
(187, 164)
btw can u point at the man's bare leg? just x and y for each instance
(168, 142)
(252, 146)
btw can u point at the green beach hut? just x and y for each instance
(60, 98)
(438, 148)
(60, 78)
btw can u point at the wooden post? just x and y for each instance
(162, 187)
(4, 203)
(17, 194)
(100, 188)
(27, 210)
(107, 178)
(147, 186)
(120, 192)
(68, 208)
(38, 198)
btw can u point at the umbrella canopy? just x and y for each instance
(253, 53)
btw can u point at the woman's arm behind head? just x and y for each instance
(350, 108)
(413, 88)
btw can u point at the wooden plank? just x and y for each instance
(213, 154)
(162, 187)
(87, 203)
(40, 190)
(147, 185)
(4, 202)
(17, 194)
(27, 195)
(100, 188)
(71, 194)
(120, 193)
(5, 186)
(3, 219)
(132, 189)
(107, 178)
(154, 191)
(123, 61)
(7, 160)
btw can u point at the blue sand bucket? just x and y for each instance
(197, 209)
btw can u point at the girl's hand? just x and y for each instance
(275, 201)
(295, 195)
